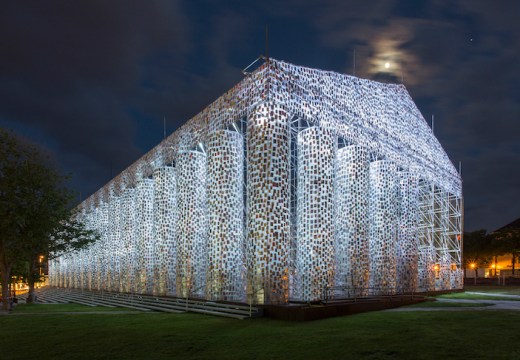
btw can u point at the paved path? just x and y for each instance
(493, 294)
(495, 304)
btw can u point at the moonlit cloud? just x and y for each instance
(388, 58)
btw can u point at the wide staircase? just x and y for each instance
(146, 302)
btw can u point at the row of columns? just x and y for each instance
(184, 233)
(178, 233)
(376, 211)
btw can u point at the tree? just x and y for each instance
(68, 235)
(477, 250)
(507, 241)
(35, 210)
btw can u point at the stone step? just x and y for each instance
(145, 302)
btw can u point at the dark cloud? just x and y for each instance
(73, 70)
(473, 96)
(459, 62)
(92, 80)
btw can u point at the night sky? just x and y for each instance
(91, 80)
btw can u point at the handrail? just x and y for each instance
(366, 292)
(250, 296)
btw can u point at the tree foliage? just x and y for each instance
(478, 249)
(507, 241)
(35, 214)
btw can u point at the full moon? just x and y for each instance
(387, 65)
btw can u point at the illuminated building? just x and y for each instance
(297, 184)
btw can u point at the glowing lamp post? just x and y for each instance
(40, 259)
(473, 265)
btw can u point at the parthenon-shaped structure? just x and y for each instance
(296, 185)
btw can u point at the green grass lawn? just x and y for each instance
(375, 335)
(438, 304)
(57, 308)
(506, 290)
(467, 296)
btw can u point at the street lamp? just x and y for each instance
(40, 259)
(473, 267)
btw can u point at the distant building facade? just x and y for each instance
(297, 184)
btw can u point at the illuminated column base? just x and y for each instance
(268, 204)
(444, 272)
(146, 238)
(351, 221)
(165, 214)
(89, 256)
(103, 259)
(191, 237)
(408, 242)
(426, 272)
(315, 225)
(383, 211)
(225, 192)
(130, 227)
(116, 243)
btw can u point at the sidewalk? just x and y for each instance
(495, 304)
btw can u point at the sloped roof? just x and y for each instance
(381, 117)
(513, 225)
